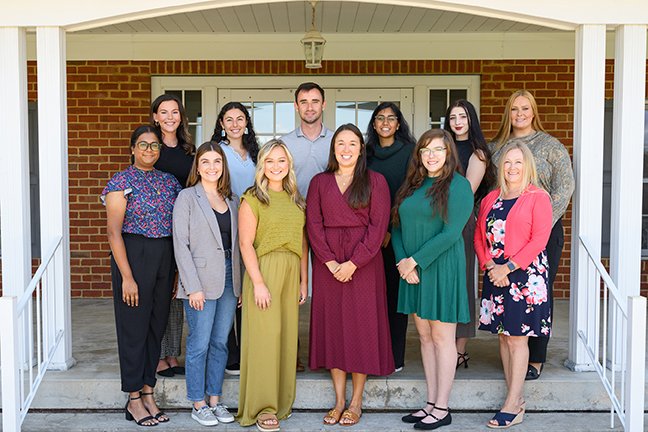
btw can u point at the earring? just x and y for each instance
(245, 132)
(156, 123)
(223, 133)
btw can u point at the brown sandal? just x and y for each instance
(333, 415)
(267, 422)
(351, 417)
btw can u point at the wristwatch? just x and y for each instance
(510, 266)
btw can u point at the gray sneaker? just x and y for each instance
(222, 414)
(204, 416)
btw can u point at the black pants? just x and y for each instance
(140, 329)
(234, 341)
(397, 321)
(538, 345)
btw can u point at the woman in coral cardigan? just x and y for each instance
(512, 230)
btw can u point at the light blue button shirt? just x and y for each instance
(310, 157)
(241, 170)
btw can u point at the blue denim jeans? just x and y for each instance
(206, 352)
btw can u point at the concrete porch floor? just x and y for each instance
(93, 383)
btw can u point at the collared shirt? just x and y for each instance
(310, 157)
(150, 198)
(241, 171)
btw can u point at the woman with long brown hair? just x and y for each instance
(347, 214)
(430, 213)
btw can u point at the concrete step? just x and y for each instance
(93, 383)
(312, 421)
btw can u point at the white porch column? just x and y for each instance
(627, 157)
(14, 163)
(53, 171)
(589, 110)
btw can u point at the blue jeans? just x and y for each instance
(206, 352)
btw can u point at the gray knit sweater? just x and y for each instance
(554, 167)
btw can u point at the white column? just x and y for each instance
(589, 110)
(14, 163)
(53, 171)
(627, 157)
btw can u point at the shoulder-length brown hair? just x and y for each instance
(417, 173)
(504, 132)
(360, 187)
(224, 184)
(182, 133)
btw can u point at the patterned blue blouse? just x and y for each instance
(150, 198)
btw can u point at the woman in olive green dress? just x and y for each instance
(274, 250)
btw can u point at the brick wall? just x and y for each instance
(106, 100)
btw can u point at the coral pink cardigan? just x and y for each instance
(528, 226)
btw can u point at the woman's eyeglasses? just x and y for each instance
(154, 146)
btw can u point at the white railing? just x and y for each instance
(28, 340)
(616, 343)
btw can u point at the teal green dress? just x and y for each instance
(438, 248)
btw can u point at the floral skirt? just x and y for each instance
(521, 308)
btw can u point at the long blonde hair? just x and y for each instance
(504, 132)
(530, 176)
(289, 182)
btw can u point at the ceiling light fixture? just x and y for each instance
(313, 43)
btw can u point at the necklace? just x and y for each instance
(344, 178)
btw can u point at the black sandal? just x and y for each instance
(445, 421)
(160, 416)
(143, 420)
(462, 359)
(411, 418)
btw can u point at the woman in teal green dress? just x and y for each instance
(430, 212)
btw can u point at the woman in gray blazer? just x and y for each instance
(206, 249)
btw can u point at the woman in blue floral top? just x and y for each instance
(512, 230)
(139, 205)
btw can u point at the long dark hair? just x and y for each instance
(250, 143)
(477, 142)
(182, 133)
(223, 185)
(417, 173)
(360, 187)
(403, 133)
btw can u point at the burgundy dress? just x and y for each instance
(349, 329)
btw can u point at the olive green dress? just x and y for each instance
(438, 248)
(269, 345)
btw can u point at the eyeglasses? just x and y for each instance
(390, 119)
(154, 146)
(427, 152)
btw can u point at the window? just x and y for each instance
(440, 100)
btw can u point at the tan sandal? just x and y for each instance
(267, 422)
(351, 418)
(333, 415)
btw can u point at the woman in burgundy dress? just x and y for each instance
(347, 214)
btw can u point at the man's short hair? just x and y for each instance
(308, 86)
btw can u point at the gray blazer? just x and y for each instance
(198, 246)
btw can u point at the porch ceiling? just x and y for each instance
(331, 17)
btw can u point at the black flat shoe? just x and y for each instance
(411, 418)
(178, 370)
(445, 421)
(533, 373)
(167, 373)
